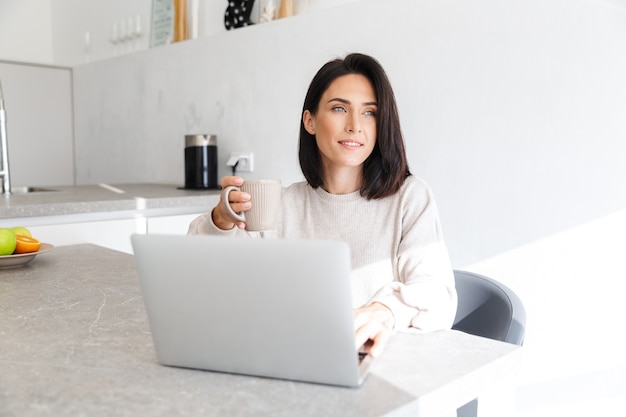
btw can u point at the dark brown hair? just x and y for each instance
(385, 170)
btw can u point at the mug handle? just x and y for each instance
(236, 216)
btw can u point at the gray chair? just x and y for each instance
(490, 309)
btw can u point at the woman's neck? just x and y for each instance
(345, 180)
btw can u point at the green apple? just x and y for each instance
(7, 242)
(21, 230)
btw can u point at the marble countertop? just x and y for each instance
(105, 198)
(75, 340)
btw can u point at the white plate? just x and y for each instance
(15, 261)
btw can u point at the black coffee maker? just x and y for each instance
(201, 162)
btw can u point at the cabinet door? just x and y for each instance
(38, 100)
(171, 225)
(113, 234)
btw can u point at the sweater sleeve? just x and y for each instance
(423, 296)
(204, 225)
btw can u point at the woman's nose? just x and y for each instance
(353, 123)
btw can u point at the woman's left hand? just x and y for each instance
(374, 322)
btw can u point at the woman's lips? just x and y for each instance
(350, 143)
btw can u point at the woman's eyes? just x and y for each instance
(340, 109)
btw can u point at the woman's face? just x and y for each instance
(345, 123)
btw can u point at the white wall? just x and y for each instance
(513, 111)
(71, 32)
(82, 29)
(25, 30)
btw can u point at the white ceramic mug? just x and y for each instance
(265, 198)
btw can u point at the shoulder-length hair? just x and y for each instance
(385, 170)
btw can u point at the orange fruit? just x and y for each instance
(26, 244)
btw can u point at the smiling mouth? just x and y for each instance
(350, 143)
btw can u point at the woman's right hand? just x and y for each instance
(239, 202)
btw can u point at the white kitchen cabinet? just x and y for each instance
(94, 214)
(38, 103)
(176, 225)
(113, 234)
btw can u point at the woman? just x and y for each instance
(359, 189)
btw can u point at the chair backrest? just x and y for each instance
(488, 308)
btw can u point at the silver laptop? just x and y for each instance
(265, 307)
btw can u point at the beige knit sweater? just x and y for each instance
(399, 257)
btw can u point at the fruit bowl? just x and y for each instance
(21, 259)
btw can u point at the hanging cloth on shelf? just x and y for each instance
(238, 14)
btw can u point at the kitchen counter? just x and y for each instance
(105, 201)
(75, 340)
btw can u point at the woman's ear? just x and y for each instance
(309, 122)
